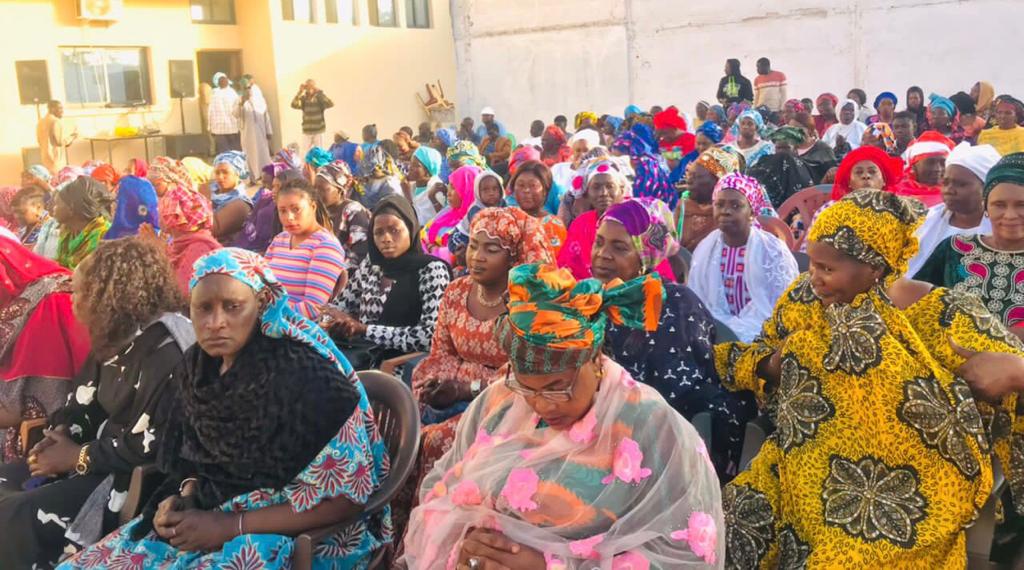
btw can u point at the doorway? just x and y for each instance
(213, 61)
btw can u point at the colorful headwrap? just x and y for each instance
(582, 116)
(447, 136)
(236, 160)
(519, 233)
(646, 134)
(737, 109)
(278, 319)
(830, 96)
(873, 227)
(105, 173)
(317, 157)
(138, 167)
(66, 175)
(632, 110)
(289, 156)
(555, 132)
(519, 156)
(717, 114)
(753, 116)
(945, 103)
(670, 118)
(600, 165)
(929, 144)
(751, 189)
(793, 135)
(891, 167)
(886, 95)
(614, 122)
(429, 158)
(136, 205)
(796, 105)
(275, 168)
(377, 163)
(216, 79)
(1010, 168)
(465, 153)
(650, 224)
(171, 171)
(463, 180)
(718, 161)
(712, 131)
(200, 172)
(185, 211)
(883, 132)
(337, 174)
(651, 177)
(556, 323)
(40, 172)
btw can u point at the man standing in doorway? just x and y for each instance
(313, 103)
(50, 136)
(769, 86)
(223, 114)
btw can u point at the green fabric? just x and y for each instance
(1010, 168)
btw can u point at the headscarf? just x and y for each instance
(275, 168)
(592, 137)
(40, 172)
(216, 79)
(646, 134)
(171, 171)
(831, 97)
(670, 118)
(337, 174)
(601, 165)
(521, 155)
(935, 100)
(582, 116)
(649, 223)
(519, 233)
(964, 103)
(717, 114)
(797, 105)
(562, 154)
(87, 198)
(556, 323)
(929, 144)
(891, 167)
(752, 115)
(651, 180)
(200, 172)
(106, 173)
(66, 175)
(632, 110)
(712, 131)
(886, 95)
(277, 319)
(138, 167)
(429, 158)
(876, 228)
(883, 132)
(136, 205)
(290, 157)
(986, 93)
(978, 159)
(465, 153)
(236, 160)
(377, 163)
(793, 135)
(185, 211)
(751, 189)
(478, 204)
(317, 157)
(737, 109)
(7, 217)
(447, 136)
(462, 180)
(718, 162)
(1010, 169)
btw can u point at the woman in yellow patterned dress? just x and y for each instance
(881, 455)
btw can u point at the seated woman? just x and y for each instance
(845, 135)
(379, 175)
(783, 174)
(438, 231)
(651, 174)
(231, 201)
(604, 185)
(749, 130)
(135, 206)
(816, 154)
(263, 223)
(422, 181)
(739, 271)
(35, 319)
(487, 193)
(677, 358)
(695, 215)
(350, 220)
(306, 256)
(187, 219)
(926, 162)
(987, 264)
(115, 414)
(82, 208)
(234, 496)
(880, 457)
(569, 462)
(389, 307)
(531, 188)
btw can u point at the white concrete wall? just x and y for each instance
(538, 58)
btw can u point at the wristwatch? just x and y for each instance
(82, 467)
(474, 387)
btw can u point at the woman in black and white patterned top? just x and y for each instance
(392, 299)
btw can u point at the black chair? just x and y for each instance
(758, 430)
(398, 419)
(980, 534)
(723, 333)
(702, 423)
(803, 263)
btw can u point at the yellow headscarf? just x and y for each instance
(199, 171)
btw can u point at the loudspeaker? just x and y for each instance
(180, 146)
(183, 82)
(33, 81)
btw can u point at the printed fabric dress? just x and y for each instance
(881, 456)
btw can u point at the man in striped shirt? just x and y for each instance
(769, 86)
(313, 103)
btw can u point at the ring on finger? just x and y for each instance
(474, 563)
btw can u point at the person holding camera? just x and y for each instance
(313, 102)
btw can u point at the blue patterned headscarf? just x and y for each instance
(711, 130)
(652, 178)
(136, 205)
(317, 157)
(446, 136)
(752, 115)
(236, 160)
(632, 110)
(278, 319)
(935, 100)
(40, 172)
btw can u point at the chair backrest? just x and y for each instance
(803, 262)
(398, 420)
(805, 202)
(778, 228)
(723, 333)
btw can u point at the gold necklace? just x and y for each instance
(483, 300)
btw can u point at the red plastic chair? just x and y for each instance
(778, 228)
(805, 203)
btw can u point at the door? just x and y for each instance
(209, 62)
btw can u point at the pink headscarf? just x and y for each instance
(462, 180)
(185, 211)
(751, 189)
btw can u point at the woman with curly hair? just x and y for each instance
(76, 479)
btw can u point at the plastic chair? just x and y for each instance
(723, 333)
(980, 534)
(779, 229)
(805, 203)
(758, 430)
(398, 419)
(702, 423)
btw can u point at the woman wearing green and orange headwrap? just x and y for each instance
(881, 456)
(569, 463)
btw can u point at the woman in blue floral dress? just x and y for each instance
(273, 436)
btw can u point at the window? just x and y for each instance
(417, 13)
(297, 10)
(382, 13)
(340, 10)
(115, 77)
(213, 11)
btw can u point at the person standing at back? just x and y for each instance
(50, 136)
(223, 115)
(769, 86)
(734, 88)
(313, 103)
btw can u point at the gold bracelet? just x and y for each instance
(82, 467)
(181, 488)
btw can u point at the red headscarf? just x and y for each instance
(669, 119)
(891, 168)
(520, 155)
(106, 173)
(138, 167)
(564, 152)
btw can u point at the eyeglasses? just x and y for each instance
(560, 396)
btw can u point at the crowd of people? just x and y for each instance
(562, 308)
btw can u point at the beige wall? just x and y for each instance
(371, 73)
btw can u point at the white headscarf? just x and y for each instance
(978, 159)
(853, 133)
